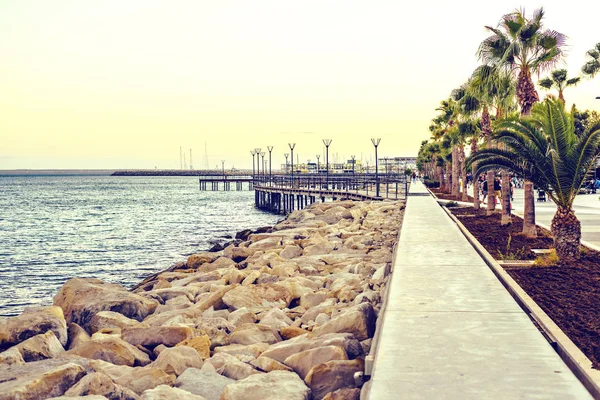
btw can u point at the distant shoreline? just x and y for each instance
(112, 172)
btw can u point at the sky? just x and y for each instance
(126, 84)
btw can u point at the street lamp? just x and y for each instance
(286, 162)
(292, 145)
(318, 156)
(270, 148)
(253, 153)
(376, 144)
(327, 142)
(353, 162)
(223, 167)
(262, 154)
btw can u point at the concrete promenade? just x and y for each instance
(450, 330)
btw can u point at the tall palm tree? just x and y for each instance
(558, 79)
(592, 65)
(520, 45)
(546, 150)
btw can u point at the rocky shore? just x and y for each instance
(288, 313)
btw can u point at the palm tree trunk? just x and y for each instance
(463, 171)
(491, 205)
(526, 93)
(566, 231)
(455, 168)
(440, 176)
(529, 228)
(476, 202)
(448, 178)
(506, 217)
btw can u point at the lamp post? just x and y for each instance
(353, 162)
(286, 162)
(292, 145)
(223, 167)
(270, 148)
(262, 154)
(318, 156)
(327, 142)
(253, 153)
(375, 142)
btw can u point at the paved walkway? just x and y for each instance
(451, 330)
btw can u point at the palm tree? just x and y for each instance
(559, 80)
(546, 150)
(521, 46)
(495, 89)
(592, 65)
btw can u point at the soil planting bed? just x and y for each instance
(445, 196)
(569, 294)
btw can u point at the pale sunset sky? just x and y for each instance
(123, 84)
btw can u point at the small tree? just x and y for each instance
(558, 79)
(545, 149)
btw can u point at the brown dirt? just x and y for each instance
(568, 293)
(445, 196)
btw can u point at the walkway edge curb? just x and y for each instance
(577, 362)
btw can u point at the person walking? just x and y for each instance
(497, 191)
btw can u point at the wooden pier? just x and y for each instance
(227, 181)
(284, 193)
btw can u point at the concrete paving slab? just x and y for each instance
(450, 330)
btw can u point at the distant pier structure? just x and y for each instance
(284, 193)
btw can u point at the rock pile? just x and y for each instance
(285, 313)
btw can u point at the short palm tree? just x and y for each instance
(558, 79)
(592, 65)
(545, 149)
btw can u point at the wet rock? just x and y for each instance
(42, 384)
(199, 343)
(81, 298)
(11, 356)
(77, 335)
(304, 361)
(98, 383)
(254, 333)
(155, 335)
(164, 392)
(33, 321)
(332, 375)
(40, 347)
(204, 382)
(111, 349)
(109, 319)
(176, 360)
(267, 364)
(358, 320)
(271, 386)
(283, 350)
(196, 260)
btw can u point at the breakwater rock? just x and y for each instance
(288, 312)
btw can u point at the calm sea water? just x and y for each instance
(118, 229)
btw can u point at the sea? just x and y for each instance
(117, 229)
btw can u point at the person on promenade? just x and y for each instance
(484, 190)
(497, 191)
